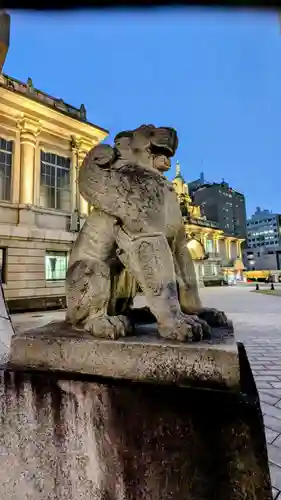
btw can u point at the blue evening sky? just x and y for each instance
(213, 75)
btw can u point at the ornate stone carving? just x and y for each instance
(29, 130)
(133, 238)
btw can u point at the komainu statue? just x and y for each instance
(134, 237)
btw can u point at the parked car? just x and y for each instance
(215, 281)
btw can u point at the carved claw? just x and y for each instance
(185, 327)
(206, 329)
(215, 318)
(108, 327)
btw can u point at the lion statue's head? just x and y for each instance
(148, 146)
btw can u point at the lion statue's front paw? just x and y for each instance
(215, 318)
(108, 327)
(184, 327)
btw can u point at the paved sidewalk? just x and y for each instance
(257, 321)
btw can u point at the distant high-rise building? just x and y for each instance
(263, 229)
(222, 204)
(192, 186)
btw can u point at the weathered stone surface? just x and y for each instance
(63, 438)
(134, 237)
(6, 328)
(146, 357)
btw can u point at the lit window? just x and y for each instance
(56, 265)
(6, 156)
(209, 246)
(3, 264)
(55, 182)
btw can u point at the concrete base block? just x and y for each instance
(129, 420)
(68, 437)
(145, 357)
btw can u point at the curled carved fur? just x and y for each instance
(121, 180)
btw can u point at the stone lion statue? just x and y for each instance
(134, 237)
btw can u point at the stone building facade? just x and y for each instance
(224, 260)
(42, 144)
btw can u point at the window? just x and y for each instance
(3, 261)
(56, 266)
(55, 181)
(209, 246)
(6, 154)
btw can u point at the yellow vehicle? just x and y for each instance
(258, 275)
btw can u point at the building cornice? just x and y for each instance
(18, 106)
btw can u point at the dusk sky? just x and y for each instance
(215, 76)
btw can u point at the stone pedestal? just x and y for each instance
(6, 329)
(129, 419)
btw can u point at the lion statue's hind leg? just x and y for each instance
(89, 290)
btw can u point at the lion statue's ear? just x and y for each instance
(102, 155)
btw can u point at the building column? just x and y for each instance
(37, 174)
(74, 179)
(29, 130)
(239, 252)
(216, 242)
(83, 204)
(220, 247)
(228, 247)
(16, 170)
(204, 240)
(79, 151)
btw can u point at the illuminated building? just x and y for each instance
(43, 141)
(263, 252)
(264, 230)
(224, 251)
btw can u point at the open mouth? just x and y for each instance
(164, 142)
(161, 151)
